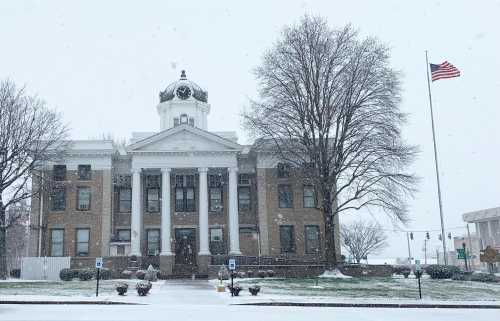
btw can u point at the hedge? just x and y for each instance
(68, 274)
(436, 271)
(86, 274)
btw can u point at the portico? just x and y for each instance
(186, 149)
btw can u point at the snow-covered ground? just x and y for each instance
(198, 300)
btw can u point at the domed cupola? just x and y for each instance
(183, 102)
(183, 89)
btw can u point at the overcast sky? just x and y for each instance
(103, 63)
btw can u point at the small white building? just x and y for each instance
(487, 224)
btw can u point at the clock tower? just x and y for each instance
(183, 102)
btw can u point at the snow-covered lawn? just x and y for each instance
(322, 289)
(379, 288)
(198, 300)
(61, 288)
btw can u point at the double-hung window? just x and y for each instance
(84, 173)
(312, 239)
(184, 193)
(56, 242)
(59, 172)
(285, 196)
(153, 200)
(152, 193)
(125, 200)
(58, 198)
(82, 241)
(153, 239)
(283, 170)
(287, 239)
(83, 199)
(244, 199)
(123, 235)
(215, 193)
(309, 196)
(217, 241)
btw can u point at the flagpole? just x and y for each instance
(443, 236)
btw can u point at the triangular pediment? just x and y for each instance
(184, 138)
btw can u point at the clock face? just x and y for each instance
(183, 92)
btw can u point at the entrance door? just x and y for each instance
(185, 246)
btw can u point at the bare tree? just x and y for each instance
(17, 216)
(329, 104)
(30, 135)
(361, 238)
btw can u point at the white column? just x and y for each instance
(165, 212)
(135, 235)
(203, 212)
(234, 226)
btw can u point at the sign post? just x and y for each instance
(418, 274)
(232, 267)
(98, 266)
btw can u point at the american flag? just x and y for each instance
(443, 71)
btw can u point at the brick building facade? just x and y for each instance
(178, 197)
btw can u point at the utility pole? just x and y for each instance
(409, 251)
(425, 251)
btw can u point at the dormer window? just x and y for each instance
(184, 119)
(176, 121)
(191, 121)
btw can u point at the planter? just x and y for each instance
(235, 290)
(143, 288)
(254, 290)
(121, 288)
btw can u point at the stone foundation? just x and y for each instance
(360, 270)
(166, 264)
(284, 271)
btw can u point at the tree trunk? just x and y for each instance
(3, 245)
(330, 250)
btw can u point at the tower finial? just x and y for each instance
(183, 74)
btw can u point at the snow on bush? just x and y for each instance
(262, 274)
(126, 274)
(140, 274)
(401, 269)
(105, 274)
(151, 274)
(68, 274)
(483, 277)
(143, 287)
(436, 271)
(85, 274)
(121, 288)
(334, 274)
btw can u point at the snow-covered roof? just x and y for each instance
(197, 92)
(91, 146)
(232, 136)
(481, 215)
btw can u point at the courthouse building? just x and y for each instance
(180, 196)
